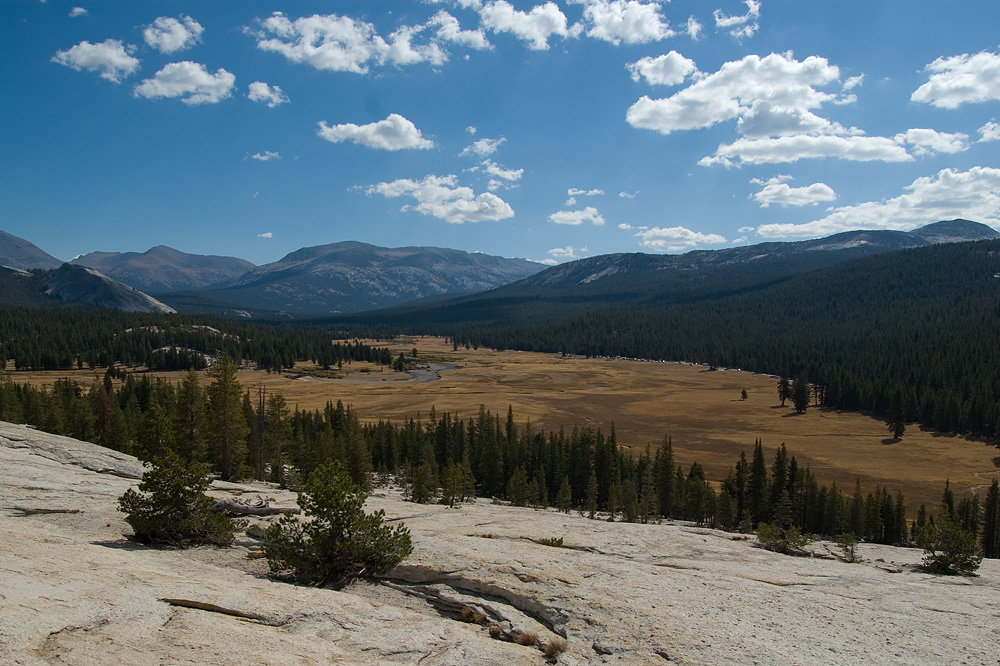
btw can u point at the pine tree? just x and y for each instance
(564, 499)
(189, 419)
(784, 389)
(592, 495)
(800, 394)
(896, 418)
(226, 421)
(991, 522)
(757, 485)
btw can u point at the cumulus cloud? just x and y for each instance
(574, 192)
(570, 202)
(854, 81)
(629, 21)
(77, 11)
(666, 70)
(500, 177)
(777, 191)
(534, 27)
(190, 81)
(777, 80)
(949, 194)
(568, 252)
(794, 148)
(676, 239)
(265, 94)
(343, 44)
(482, 147)
(989, 132)
(168, 34)
(266, 156)
(111, 59)
(266, 234)
(471, 129)
(745, 230)
(693, 29)
(443, 198)
(741, 25)
(577, 217)
(393, 133)
(449, 30)
(928, 141)
(961, 79)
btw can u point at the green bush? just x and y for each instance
(785, 541)
(171, 507)
(337, 541)
(948, 549)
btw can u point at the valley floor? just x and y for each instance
(73, 590)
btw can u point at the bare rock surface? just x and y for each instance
(74, 590)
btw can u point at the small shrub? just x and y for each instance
(496, 631)
(528, 638)
(555, 647)
(554, 542)
(338, 541)
(948, 549)
(785, 541)
(171, 507)
(473, 616)
(849, 547)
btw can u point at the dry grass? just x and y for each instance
(701, 409)
(528, 638)
(555, 647)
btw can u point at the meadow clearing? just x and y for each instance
(700, 408)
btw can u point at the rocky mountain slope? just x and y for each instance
(18, 253)
(75, 591)
(80, 284)
(163, 268)
(351, 276)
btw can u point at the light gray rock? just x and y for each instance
(73, 590)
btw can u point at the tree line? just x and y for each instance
(444, 457)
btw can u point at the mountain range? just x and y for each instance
(438, 283)
(163, 269)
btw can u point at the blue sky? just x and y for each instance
(544, 130)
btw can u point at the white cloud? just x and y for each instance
(989, 132)
(577, 217)
(190, 81)
(482, 147)
(745, 230)
(449, 30)
(534, 27)
(794, 148)
(549, 261)
(393, 133)
(676, 239)
(854, 81)
(777, 79)
(443, 198)
(739, 26)
(949, 194)
(961, 79)
(173, 34)
(776, 191)
(625, 226)
(265, 94)
(666, 70)
(573, 192)
(111, 59)
(471, 129)
(693, 28)
(928, 141)
(629, 21)
(342, 44)
(570, 202)
(568, 252)
(501, 177)
(628, 195)
(77, 11)
(266, 156)
(266, 234)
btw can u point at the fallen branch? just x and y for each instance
(213, 608)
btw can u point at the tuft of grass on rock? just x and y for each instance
(555, 647)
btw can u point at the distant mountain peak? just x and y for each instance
(19, 253)
(163, 268)
(82, 284)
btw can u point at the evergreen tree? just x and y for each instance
(800, 394)
(991, 522)
(189, 419)
(227, 423)
(896, 418)
(784, 389)
(592, 495)
(564, 498)
(757, 486)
